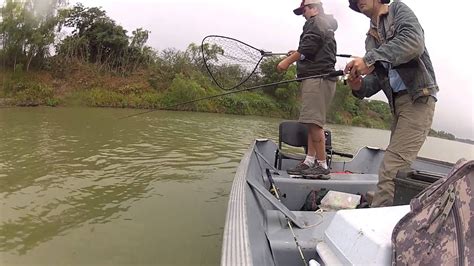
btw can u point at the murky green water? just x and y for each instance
(79, 186)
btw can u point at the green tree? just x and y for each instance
(96, 38)
(139, 38)
(82, 19)
(441, 134)
(106, 40)
(382, 109)
(27, 30)
(13, 38)
(138, 53)
(269, 74)
(196, 54)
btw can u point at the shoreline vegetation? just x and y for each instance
(95, 63)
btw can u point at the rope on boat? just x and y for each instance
(318, 212)
(274, 191)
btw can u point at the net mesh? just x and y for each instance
(229, 62)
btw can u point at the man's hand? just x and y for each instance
(358, 67)
(355, 83)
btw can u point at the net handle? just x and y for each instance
(261, 51)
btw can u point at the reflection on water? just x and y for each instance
(80, 186)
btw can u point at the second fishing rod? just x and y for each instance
(327, 75)
(224, 55)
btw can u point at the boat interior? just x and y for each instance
(268, 216)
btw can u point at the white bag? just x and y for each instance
(335, 200)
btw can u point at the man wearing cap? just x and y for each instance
(397, 62)
(316, 55)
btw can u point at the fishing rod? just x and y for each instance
(274, 191)
(327, 75)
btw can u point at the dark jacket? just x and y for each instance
(401, 44)
(318, 46)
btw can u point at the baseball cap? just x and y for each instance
(299, 11)
(353, 4)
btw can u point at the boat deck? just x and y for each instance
(257, 231)
(281, 240)
(297, 189)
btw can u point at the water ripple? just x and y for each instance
(57, 175)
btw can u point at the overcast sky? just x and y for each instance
(271, 25)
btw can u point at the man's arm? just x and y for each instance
(285, 63)
(364, 87)
(312, 39)
(310, 43)
(407, 43)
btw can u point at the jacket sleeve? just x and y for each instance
(311, 40)
(370, 86)
(407, 42)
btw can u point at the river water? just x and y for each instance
(80, 186)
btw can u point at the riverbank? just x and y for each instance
(80, 84)
(85, 85)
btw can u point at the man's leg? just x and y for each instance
(311, 155)
(310, 114)
(316, 140)
(411, 127)
(316, 95)
(307, 96)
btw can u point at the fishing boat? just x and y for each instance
(265, 228)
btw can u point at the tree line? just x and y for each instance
(31, 31)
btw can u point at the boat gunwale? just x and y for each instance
(235, 245)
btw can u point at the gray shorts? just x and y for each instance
(316, 96)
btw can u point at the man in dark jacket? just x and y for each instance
(316, 55)
(397, 62)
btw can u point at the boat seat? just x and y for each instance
(299, 188)
(295, 134)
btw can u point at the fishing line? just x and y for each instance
(274, 191)
(327, 75)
